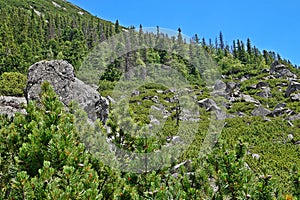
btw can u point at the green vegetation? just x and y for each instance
(42, 157)
(50, 153)
(12, 84)
(27, 36)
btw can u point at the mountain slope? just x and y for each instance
(31, 31)
(42, 153)
(46, 7)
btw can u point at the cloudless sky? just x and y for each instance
(270, 24)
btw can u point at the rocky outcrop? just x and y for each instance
(293, 87)
(60, 74)
(11, 105)
(279, 71)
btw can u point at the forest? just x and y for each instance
(53, 153)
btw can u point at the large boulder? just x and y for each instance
(11, 105)
(60, 74)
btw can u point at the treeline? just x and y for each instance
(26, 38)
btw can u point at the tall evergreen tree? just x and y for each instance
(222, 45)
(117, 27)
(249, 47)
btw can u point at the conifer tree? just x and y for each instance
(249, 47)
(117, 27)
(222, 45)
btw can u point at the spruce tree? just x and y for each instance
(222, 46)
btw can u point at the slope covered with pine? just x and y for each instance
(35, 30)
(43, 156)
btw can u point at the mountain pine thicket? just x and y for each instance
(42, 153)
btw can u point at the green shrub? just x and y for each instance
(12, 84)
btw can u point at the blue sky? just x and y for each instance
(270, 24)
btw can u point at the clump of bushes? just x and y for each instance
(12, 84)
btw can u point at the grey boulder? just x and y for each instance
(260, 111)
(60, 74)
(11, 105)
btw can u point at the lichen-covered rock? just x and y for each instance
(60, 74)
(11, 105)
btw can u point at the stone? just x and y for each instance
(280, 70)
(60, 74)
(230, 86)
(186, 164)
(250, 87)
(169, 91)
(265, 93)
(293, 87)
(209, 104)
(135, 93)
(110, 99)
(290, 112)
(260, 111)
(285, 73)
(171, 99)
(189, 115)
(249, 99)
(280, 106)
(11, 105)
(282, 84)
(219, 85)
(295, 97)
(175, 139)
(244, 79)
(265, 70)
(277, 112)
(266, 119)
(290, 136)
(222, 115)
(153, 120)
(269, 77)
(255, 156)
(155, 99)
(295, 117)
(241, 114)
(290, 123)
(261, 84)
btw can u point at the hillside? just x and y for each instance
(43, 30)
(47, 7)
(231, 112)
